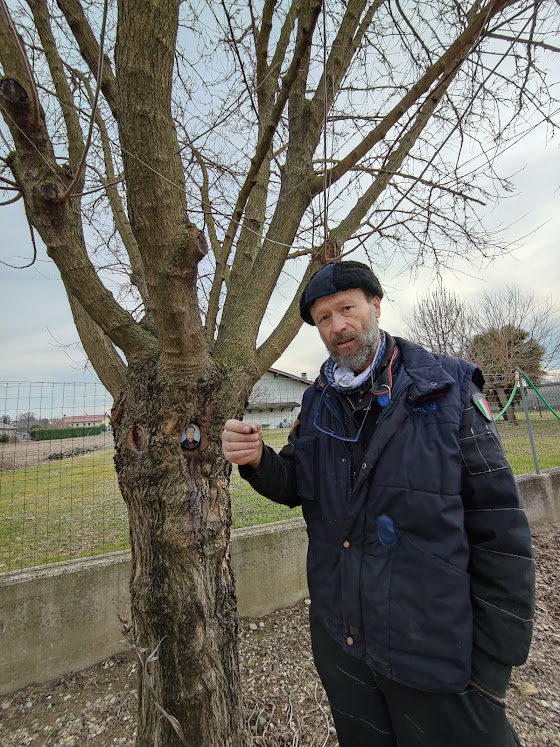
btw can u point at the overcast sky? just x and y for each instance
(532, 211)
(39, 342)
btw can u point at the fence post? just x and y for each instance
(528, 420)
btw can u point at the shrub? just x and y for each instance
(51, 434)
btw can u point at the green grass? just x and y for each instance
(61, 510)
(516, 443)
(248, 507)
(72, 508)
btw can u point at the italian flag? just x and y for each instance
(482, 405)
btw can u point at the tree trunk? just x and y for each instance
(182, 587)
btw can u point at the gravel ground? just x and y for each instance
(285, 703)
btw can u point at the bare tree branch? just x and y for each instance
(349, 225)
(35, 121)
(447, 62)
(524, 42)
(89, 48)
(10, 202)
(269, 127)
(109, 366)
(57, 224)
(122, 223)
(75, 140)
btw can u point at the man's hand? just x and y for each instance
(242, 443)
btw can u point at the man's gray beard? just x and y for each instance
(369, 340)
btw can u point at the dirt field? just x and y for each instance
(31, 453)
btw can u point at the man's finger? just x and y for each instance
(238, 426)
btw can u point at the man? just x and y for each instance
(419, 566)
(189, 441)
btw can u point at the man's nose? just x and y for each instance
(338, 323)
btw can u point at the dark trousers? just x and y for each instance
(370, 710)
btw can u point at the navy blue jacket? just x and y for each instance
(420, 556)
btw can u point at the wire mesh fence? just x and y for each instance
(529, 425)
(59, 498)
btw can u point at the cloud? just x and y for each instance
(39, 340)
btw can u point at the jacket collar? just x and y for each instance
(425, 370)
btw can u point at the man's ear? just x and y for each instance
(376, 302)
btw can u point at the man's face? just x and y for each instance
(347, 323)
(190, 434)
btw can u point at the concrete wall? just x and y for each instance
(541, 495)
(63, 618)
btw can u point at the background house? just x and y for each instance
(8, 429)
(276, 399)
(85, 421)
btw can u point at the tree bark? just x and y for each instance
(182, 586)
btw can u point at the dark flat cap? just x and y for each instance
(334, 277)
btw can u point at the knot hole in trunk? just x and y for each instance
(137, 438)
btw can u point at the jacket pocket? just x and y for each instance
(429, 620)
(304, 454)
(481, 451)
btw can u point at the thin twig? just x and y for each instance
(9, 182)
(14, 199)
(146, 663)
(34, 258)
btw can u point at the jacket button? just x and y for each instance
(350, 641)
(346, 544)
(364, 465)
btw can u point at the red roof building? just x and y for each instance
(86, 421)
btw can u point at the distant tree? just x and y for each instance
(27, 419)
(6, 419)
(262, 394)
(442, 323)
(501, 331)
(515, 331)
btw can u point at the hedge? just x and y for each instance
(51, 434)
